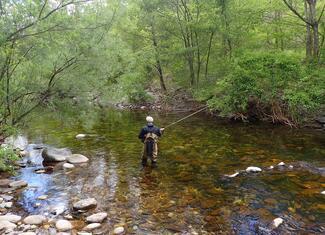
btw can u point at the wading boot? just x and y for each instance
(154, 164)
(144, 163)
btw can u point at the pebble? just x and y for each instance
(291, 166)
(253, 169)
(277, 222)
(271, 167)
(68, 217)
(80, 136)
(68, 166)
(7, 197)
(27, 233)
(118, 230)
(63, 225)
(11, 218)
(281, 164)
(35, 219)
(323, 192)
(43, 197)
(18, 184)
(233, 175)
(83, 233)
(92, 226)
(96, 218)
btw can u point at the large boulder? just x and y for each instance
(55, 154)
(85, 204)
(35, 219)
(96, 218)
(77, 158)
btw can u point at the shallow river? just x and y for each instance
(188, 193)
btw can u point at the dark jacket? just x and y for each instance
(149, 128)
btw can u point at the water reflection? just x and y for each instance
(188, 193)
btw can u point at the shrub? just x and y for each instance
(7, 160)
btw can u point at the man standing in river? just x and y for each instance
(149, 135)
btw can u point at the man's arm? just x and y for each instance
(142, 134)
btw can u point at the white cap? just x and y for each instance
(149, 119)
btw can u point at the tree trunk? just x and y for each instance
(158, 63)
(314, 22)
(208, 55)
(309, 39)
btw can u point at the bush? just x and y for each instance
(279, 84)
(7, 160)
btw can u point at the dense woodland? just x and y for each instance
(260, 59)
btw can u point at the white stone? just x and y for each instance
(271, 167)
(27, 233)
(18, 184)
(80, 136)
(233, 175)
(63, 225)
(291, 166)
(118, 230)
(96, 218)
(92, 226)
(323, 192)
(11, 218)
(68, 166)
(277, 222)
(77, 158)
(253, 169)
(281, 164)
(8, 205)
(83, 233)
(43, 197)
(35, 219)
(6, 225)
(85, 204)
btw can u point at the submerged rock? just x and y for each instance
(11, 218)
(253, 169)
(77, 158)
(85, 204)
(92, 226)
(18, 184)
(35, 219)
(96, 218)
(55, 154)
(277, 222)
(63, 225)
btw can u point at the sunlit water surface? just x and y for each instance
(188, 193)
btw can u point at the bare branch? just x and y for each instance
(296, 12)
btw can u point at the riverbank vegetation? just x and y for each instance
(252, 59)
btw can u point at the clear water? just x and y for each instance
(189, 191)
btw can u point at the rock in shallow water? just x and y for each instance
(77, 158)
(81, 136)
(119, 230)
(323, 192)
(11, 218)
(7, 225)
(85, 204)
(96, 218)
(55, 154)
(92, 226)
(63, 225)
(35, 219)
(277, 222)
(253, 169)
(68, 166)
(18, 184)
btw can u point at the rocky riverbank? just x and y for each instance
(82, 217)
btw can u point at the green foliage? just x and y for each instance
(269, 78)
(7, 160)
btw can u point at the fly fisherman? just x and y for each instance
(149, 135)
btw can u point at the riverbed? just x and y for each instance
(189, 192)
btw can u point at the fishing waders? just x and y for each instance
(150, 149)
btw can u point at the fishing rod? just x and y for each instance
(182, 119)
